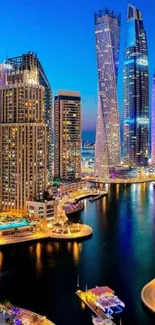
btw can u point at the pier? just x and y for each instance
(99, 196)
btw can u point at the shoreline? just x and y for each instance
(84, 233)
(32, 314)
(148, 295)
(123, 181)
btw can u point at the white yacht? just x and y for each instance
(99, 321)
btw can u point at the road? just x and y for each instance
(148, 295)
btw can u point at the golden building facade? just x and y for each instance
(23, 139)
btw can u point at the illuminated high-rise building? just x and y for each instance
(67, 136)
(153, 122)
(29, 61)
(23, 134)
(136, 91)
(107, 146)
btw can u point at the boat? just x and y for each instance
(73, 207)
(153, 184)
(99, 321)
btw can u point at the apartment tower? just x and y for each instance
(29, 61)
(23, 134)
(67, 131)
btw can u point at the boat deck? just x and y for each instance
(91, 304)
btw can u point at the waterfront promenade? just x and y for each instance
(84, 232)
(148, 295)
(23, 315)
(121, 181)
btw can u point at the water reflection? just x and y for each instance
(120, 254)
(38, 257)
(1, 260)
(49, 248)
(56, 246)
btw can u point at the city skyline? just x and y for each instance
(76, 61)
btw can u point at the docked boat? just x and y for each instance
(71, 208)
(153, 184)
(99, 321)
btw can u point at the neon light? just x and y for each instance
(129, 121)
(142, 62)
(142, 120)
(128, 62)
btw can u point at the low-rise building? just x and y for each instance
(45, 209)
(67, 188)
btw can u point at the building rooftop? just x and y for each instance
(68, 93)
(133, 13)
(104, 12)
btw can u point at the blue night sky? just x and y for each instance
(62, 34)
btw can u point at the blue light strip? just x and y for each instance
(129, 121)
(128, 62)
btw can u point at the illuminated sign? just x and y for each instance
(142, 62)
(142, 120)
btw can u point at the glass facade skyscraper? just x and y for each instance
(107, 146)
(136, 91)
(153, 122)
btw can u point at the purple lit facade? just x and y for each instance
(107, 146)
(153, 123)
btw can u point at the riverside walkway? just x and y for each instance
(148, 295)
(120, 181)
(84, 232)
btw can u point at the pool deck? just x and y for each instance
(85, 232)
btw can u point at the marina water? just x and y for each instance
(42, 276)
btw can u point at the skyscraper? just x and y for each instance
(107, 147)
(136, 91)
(29, 61)
(23, 135)
(67, 132)
(153, 122)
